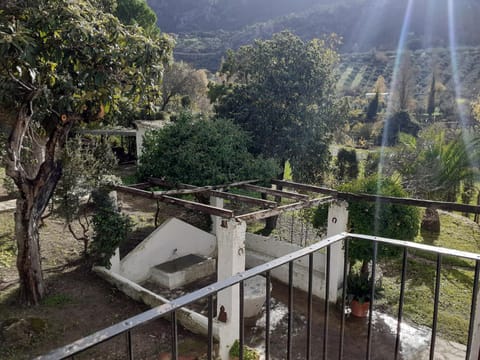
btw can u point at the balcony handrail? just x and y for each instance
(165, 309)
(418, 246)
(170, 307)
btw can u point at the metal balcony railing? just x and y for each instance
(170, 309)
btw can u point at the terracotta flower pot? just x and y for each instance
(358, 309)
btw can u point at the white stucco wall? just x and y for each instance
(142, 127)
(261, 249)
(174, 238)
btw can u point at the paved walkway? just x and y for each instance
(6, 206)
(445, 350)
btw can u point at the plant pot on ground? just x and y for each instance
(359, 290)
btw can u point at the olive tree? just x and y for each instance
(62, 64)
(282, 91)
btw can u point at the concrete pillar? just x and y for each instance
(115, 262)
(216, 220)
(231, 260)
(337, 223)
(140, 134)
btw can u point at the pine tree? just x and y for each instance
(373, 107)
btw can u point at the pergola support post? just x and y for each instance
(216, 220)
(231, 260)
(337, 223)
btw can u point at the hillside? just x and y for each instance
(183, 16)
(206, 28)
(357, 73)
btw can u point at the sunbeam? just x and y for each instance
(458, 88)
(395, 76)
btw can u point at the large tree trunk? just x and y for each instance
(36, 183)
(29, 263)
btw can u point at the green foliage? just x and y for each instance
(437, 163)
(110, 228)
(131, 12)
(76, 59)
(373, 107)
(248, 353)
(87, 166)
(320, 217)
(431, 97)
(347, 164)
(371, 164)
(202, 152)
(57, 300)
(359, 287)
(284, 96)
(380, 219)
(183, 84)
(401, 122)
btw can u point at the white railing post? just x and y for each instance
(337, 223)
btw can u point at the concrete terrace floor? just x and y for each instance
(415, 340)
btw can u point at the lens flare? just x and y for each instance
(395, 78)
(461, 111)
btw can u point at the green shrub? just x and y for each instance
(371, 164)
(374, 218)
(248, 353)
(110, 228)
(202, 152)
(379, 218)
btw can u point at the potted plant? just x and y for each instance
(248, 352)
(359, 290)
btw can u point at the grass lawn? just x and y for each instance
(456, 280)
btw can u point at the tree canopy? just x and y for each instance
(131, 12)
(202, 152)
(63, 63)
(181, 80)
(282, 92)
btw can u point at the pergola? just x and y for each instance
(230, 227)
(302, 196)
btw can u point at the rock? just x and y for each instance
(431, 220)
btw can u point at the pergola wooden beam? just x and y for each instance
(183, 189)
(274, 192)
(441, 205)
(243, 198)
(305, 187)
(134, 191)
(208, 209)
(263, 214)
